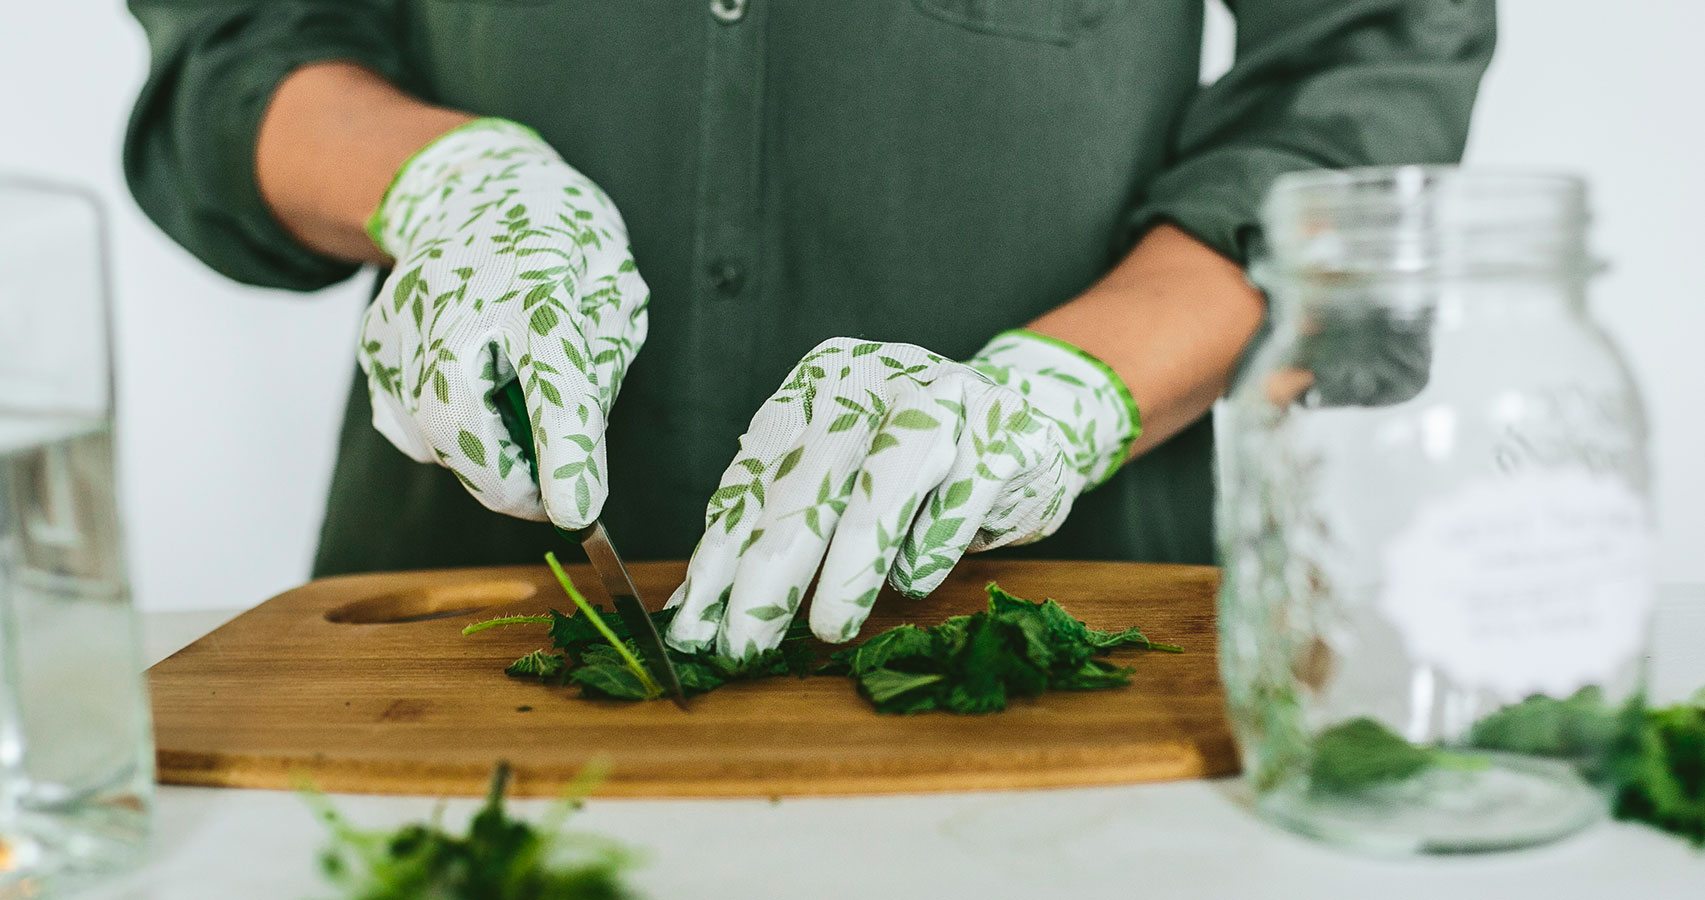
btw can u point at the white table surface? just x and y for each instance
(1187, 839)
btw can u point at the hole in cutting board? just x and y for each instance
(426, 604)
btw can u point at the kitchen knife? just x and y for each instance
(512, 408)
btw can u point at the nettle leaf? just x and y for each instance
(472, 447)
(612, 681)
(538, 664)
(915, 419)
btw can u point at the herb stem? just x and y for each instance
(501, 621)
(591, 612)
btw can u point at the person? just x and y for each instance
(992, 253)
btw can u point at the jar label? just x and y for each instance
(1537, 582)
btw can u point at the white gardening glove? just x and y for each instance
(509, 264)
(894, 462)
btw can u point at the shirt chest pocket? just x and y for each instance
(1047, 21)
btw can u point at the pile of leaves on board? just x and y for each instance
(500, 858)
(968, 664)
(976, 663)
(1653, 760)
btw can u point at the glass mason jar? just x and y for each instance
(76, 759)
(1434, 517)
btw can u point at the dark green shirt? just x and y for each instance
(928, 171)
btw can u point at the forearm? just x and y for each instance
(332, 137)
(1171, 319)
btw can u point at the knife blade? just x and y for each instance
(512, 408)
(608, 564)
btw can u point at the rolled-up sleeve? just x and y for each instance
(189, 153)
(1319, 84)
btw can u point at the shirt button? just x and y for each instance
(728, 11)
(727, 278)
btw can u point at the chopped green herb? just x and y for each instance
(967, 664)
(1661, 779)
(628, 655)
(1656, 758)
(977, 663)
(537, 664)
(1581, 726)
(588, 660)
(500, 858)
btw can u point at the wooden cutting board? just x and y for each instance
(365, 684)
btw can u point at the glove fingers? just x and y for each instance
(563, 402)
(804, 508)
(467, 435)
(391, 417)
(908, 458)
(770, 454)
(1029, 508)
(703, 596)
(398, 427)
(957, 508)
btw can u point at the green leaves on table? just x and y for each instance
(975, 664)
(1660, 780)
(1652, 760)
(500, 858)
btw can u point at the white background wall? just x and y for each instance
(232, 395)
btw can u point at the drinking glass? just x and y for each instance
(76, 760)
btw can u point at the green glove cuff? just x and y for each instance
(1078, 391)
(379, 224)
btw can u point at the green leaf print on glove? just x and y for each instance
(882, 462)
(509, 265)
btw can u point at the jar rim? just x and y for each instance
(1427, 219)
(1411, 178)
